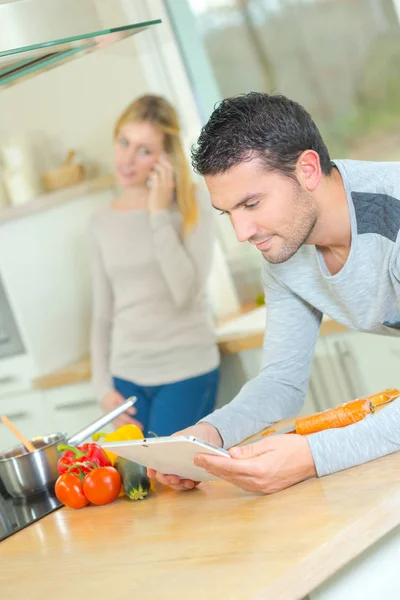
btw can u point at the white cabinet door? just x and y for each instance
(16, 375)
(378, 360)
(335, 375)
(26, 412)
(72, 407)
(334, 378)
(345, 367)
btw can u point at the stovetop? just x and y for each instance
(16, 514)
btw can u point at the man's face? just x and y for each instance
(267, 209)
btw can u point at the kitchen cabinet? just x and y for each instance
(335, 378)
(378, 360)
(16, 374)
(70, 408)
(38, 412)
(336, 375)
(352, 365)
(26, 411)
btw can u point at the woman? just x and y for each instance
(152, 332)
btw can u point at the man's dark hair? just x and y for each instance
(272, 128)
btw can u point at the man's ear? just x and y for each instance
(308, 170)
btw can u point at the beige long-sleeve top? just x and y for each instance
(151, 320)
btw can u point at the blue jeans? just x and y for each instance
(165, 409)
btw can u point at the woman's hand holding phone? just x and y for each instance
(162, 185)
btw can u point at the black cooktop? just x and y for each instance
(18, 514)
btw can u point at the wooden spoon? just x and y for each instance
(28, 445)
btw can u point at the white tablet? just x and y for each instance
(168, 455)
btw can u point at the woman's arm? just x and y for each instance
(185, 263)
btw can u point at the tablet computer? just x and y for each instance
(168, 455)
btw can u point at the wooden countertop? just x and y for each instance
(238, 342)
(213, 543)
(228, 344)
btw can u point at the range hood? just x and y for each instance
(37, 35)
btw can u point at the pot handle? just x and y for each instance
(78, 438)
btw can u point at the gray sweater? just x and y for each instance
(364, 296)
(151, 320)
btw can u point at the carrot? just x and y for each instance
(384, 397)
(345, 414)
(341, 416)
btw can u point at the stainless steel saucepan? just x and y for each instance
(28, 473)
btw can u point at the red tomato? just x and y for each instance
(69, 491)
(102, 485)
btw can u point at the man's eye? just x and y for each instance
(253, 205)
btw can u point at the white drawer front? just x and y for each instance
(15, 375)
(26, 412)
(72, 407)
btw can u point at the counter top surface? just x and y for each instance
(215, 542)
(245, 332)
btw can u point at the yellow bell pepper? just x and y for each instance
(124, 433)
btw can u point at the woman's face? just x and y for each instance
(137, 148)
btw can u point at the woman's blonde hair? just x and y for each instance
(160, 113)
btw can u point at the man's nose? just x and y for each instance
(244, 227)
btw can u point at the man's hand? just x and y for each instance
(267, 466)
(203, 431)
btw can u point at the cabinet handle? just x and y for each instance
(322, 383)
(74, 405)
(17, 415)
(7, 379)
(360, 387)
(342, 356)
(314, 395)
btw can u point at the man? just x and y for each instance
(328, 231)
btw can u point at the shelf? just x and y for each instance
(53, 199)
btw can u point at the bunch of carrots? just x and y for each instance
(344, 414)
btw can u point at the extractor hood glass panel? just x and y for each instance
(20, 63)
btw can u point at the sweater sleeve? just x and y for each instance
(185, 263)
(102, 307)
(279, 389)
(373, 437)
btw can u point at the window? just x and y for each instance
(338, 58)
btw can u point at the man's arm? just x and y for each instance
(279, 390)
(375, 436)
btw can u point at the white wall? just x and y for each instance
(163, 63)
(45, 269)
(75, 105)
(397, 7)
